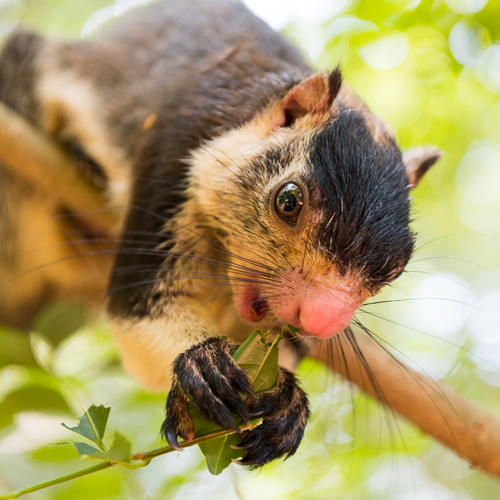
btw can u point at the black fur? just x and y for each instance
(361, 189)
(286, 411)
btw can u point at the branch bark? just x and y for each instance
(470, 431)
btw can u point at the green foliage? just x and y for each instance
(92, 424)
(60, 320)
(16, 349)
(259, 356)
(119, 452)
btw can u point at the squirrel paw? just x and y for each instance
(285, 411)
(207, 375)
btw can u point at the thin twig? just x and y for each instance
(142, 459)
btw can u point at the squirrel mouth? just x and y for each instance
(251, 305)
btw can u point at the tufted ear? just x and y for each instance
(313, 95)
(417, 161)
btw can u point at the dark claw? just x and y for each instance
(239, 461)
(237, 447)
(171, 438)
(178, 421)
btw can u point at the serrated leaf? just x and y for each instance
(85, 449)
(259, 359)
(119, 452)
(92, 424)
(219, 453)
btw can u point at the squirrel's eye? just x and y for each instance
(289, 201)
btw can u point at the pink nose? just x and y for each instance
(322, 307)
(327, 314)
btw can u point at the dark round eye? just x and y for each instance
(289, 201)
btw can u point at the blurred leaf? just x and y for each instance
(106, 485)
(92, 424)
(30, 398)
(85, 449)
(119, 451)
(16, 349)
(60, 320)
(55, 453)
(33, 397)
(171, 485)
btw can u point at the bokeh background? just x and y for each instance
(431, 68)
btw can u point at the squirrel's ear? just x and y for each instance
(417, 161)
(314, 95)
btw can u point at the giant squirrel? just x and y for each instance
(252, 192)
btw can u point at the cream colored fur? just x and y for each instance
(71, 109)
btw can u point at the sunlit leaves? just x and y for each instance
(119, 451)
(92, 424)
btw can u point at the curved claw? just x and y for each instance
(236, 447)
(239, 461)
(171, 438)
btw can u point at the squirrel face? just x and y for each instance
(317, 205)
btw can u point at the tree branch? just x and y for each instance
(464, 427)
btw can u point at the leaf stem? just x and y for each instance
(144, 457)
(58, 480)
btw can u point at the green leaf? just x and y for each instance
(119, 452)
(84, 449)
(259, 359)
(16, 348)
(31, 398)
(219, 454)
(59, 320)
(92, 424)
(61, 452)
